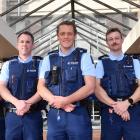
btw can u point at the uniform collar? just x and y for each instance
(113, 56)
(66, 54)
(26, 61)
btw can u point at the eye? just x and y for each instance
(110, 39)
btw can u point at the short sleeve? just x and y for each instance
(136, 63)
(4, 75)
(87, 65)
(99, 70)
(45, 66)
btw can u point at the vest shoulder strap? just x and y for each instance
(53, 52)
(78, 53)
(10, 58)
(81, 50)
(37, 57)
(104, 57)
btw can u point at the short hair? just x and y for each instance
(27, 33)
(69, 23)
(111, 30)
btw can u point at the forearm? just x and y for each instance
(6, 95)
(44, 92)
(34, 99)
(102, 95)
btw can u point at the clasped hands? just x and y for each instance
(22, 107)
(121, 109)
(61, 102)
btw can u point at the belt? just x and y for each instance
(14, 110)
(11, 110)
(119, 98)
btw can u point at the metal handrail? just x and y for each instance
(118, 11)
(93, 19)
(43, 17)
(103, 15)
(33, 11)
(14, 7)
(132, 3)
(95, 46)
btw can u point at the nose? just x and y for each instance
(66, 35)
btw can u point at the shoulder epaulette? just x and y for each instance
(103, 57)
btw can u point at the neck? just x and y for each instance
(65, 50)
(116, 52)
(24, 57)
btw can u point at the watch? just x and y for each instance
(130, 100)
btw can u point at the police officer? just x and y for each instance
(117, 87)
(67, 76)
(18, 86)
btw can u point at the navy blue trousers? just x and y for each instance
(27, 127)
(114, 128)
(75, 125)
(2, 129)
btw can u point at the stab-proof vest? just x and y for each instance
(65, 75)
(23, 77)
(119, 78)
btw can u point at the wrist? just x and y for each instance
(28, 102)
(130, 101)
(15, 102)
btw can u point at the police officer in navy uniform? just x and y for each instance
(117, 87)
(67, 77)
(18, 86)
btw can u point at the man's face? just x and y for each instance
(114, 41)
(24, 45)
(66, 36)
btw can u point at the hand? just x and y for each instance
(22, 107)
(120, 107)
(69, 107)
(59, 102)
(125, 116)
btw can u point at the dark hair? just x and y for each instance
(70, 23)
(113, 30)
(27, 33)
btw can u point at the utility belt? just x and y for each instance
(11, 108)
(120, 98)
(14, 110)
